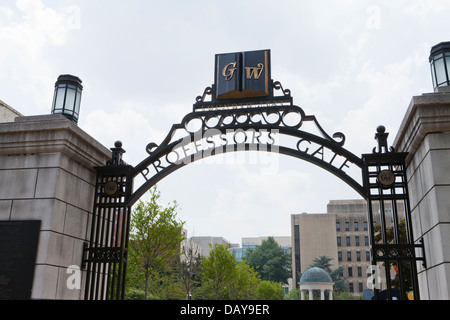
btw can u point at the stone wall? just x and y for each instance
(47, 173)
(425, 134)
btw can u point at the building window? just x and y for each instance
(339, 241)
(357, 241)
(358, 256)
(339, 256)
(350, 286)
(297, 250)
(367, 256)
(347, 226)
(359, 272)
(356, 225)
(365, 225)
(350, 271)
(349, 256)
(360, 287)
(347, 241)
(338, 226)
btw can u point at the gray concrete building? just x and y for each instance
(206, 243)
(341, 234)
(8, 114)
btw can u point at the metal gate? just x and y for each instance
(225, 109)
(105, 257)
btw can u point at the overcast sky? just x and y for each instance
(354, 64)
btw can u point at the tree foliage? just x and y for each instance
(269, 290)
(189, 266)
(225, 278)
(155, 240)
(218, 270)
(270, 261)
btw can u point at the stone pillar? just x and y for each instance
(330, 295)
(322, 294)
(425, 134)
(47, 174)
(302, 294)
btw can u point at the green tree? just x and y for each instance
(189, 266)
(218, 271)
(155, 240)
(225, 278)
(269, 290)
(270, 261)
(294, 295)
(244, 282)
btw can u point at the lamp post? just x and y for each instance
(67, 97)
(440, 65)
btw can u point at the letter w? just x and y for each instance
(254, 71)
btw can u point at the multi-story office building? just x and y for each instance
(207, 243)
(341, 234)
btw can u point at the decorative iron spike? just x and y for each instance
(117, 152)
(381, 136)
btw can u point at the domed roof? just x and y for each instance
(315, 274)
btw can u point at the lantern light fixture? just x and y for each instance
(67, 97)
(440, 65)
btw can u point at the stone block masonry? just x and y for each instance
(425, 134)
(47, 173)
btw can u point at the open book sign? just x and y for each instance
(242, 74)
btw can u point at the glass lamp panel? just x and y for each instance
(433, 75)
(70, 99)
(60, 93)
(441, 76)
(447, 61)
(77, 102)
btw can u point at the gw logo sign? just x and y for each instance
(242, 74)
(255, 72)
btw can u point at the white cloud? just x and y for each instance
(25, 36)
(37, 27)
(127, 125)
(422, 8)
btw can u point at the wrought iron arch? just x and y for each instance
(153, 169)
(259, 120)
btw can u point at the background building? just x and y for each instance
(206, 243)
(313, 235)
(252, 242)
(341, 234)
(8, 114)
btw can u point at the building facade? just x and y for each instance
(8, 114)
(341, 234)
(206, 243)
